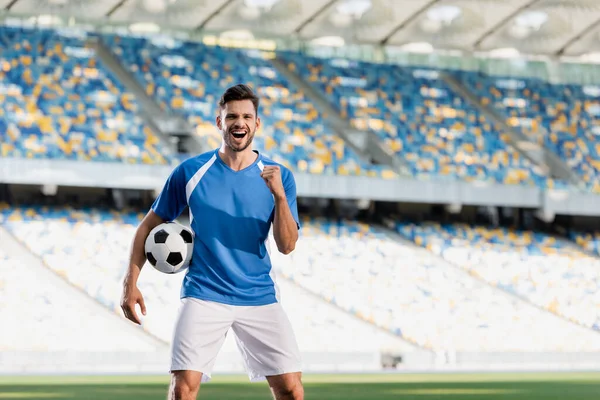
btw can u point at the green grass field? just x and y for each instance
(496, 386)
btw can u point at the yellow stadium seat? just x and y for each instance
(388, 174)
(45, 125)
(177, 103)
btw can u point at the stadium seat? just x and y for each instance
(58, 101)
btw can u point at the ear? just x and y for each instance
(218, 121)
(257, 123)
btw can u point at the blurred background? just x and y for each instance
(446, 154)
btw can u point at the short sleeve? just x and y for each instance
(171, 201)
(289, 185)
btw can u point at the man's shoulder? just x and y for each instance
(196, 162)
(199, 159)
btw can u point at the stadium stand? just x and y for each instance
(395, 286)
(562, 117)
(419, 296)
(58, 101)
(189, 78)
(547, 271)
(419, 118)
(89, 248)
(47, 317)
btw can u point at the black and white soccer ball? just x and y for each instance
(169, 247)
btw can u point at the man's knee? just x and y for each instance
(184, 385)
(287, 387)
(294, 392)
(183, 391)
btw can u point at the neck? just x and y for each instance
(237, 160)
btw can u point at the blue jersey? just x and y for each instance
(231, 213)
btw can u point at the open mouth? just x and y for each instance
(238, 134)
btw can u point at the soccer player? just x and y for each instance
(234, 195)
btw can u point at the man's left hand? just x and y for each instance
(272, 176)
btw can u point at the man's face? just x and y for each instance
(238, 123)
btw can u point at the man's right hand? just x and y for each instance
(132, 296)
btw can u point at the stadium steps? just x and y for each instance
(165, 124)
(13, 247)
(400, 238)
(366, 144)
(548, 161)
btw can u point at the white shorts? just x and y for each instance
(263, 334)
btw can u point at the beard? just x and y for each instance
(238, 145)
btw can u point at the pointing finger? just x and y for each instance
(142, 305)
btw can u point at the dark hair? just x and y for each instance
(239, 92)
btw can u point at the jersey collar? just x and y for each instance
(258, 162)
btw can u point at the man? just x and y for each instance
(234, 194)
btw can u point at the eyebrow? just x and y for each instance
(235, 115)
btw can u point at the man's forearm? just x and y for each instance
(137, 256)
(285, 229)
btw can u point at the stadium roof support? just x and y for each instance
(202, 24)
(407, 21)
(580, 34)
(10, 5)
(503, 22)
(308, 20)
(115, 8)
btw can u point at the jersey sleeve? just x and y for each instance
(289, 185)
(171, 201)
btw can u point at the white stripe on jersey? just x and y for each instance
(195, 180)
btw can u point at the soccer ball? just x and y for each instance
(169, 247)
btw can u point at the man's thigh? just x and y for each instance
(199, 334)
(266, 340)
